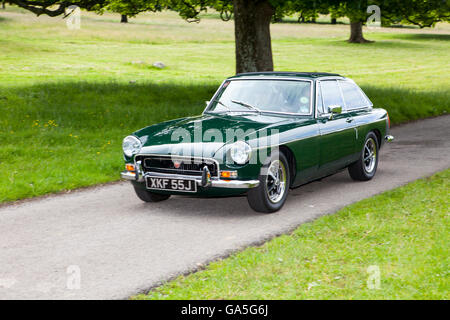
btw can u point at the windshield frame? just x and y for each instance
(311, 93)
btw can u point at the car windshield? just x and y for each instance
(284, 96)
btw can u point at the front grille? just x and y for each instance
(186, 166)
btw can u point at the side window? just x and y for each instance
(331, 94)
(319, 103)
(353, 95)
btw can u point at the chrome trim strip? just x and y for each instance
(344, 107)
(215, 183)
(360, 109)
(127, 175)
(214, 96)
(237, 184)
(317, 98)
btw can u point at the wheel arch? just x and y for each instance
(291, 161)
(378, 134)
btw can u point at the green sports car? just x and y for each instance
(260, 135)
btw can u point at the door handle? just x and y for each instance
(349, 120)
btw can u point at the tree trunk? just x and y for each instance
(333, 20)
(123, 18)
(3, 4)
(356, 32)
(252, 35)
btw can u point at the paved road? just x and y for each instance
(122, 246)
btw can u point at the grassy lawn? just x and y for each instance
(68, 97)
(403, 234)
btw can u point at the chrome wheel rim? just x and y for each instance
(370, 155)
(276, 181)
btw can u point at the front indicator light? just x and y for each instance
(228, 174)
(130, 167)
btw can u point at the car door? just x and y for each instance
(337, 133)
(358, 106)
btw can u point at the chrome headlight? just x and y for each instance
(240, 152)
(131, 145)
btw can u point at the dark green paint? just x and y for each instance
(320, 146)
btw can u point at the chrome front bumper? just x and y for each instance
(215, 182)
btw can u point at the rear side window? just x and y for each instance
(331, 94)
(353, 96)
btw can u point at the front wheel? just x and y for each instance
(274, 182)
(365, 168)
(148, 196)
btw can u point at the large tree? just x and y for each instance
(251, 27)
(424, 13)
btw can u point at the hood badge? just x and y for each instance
(176, 164)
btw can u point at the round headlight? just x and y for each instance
(131, 145)
(240, 152)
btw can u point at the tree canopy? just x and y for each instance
(132, 8)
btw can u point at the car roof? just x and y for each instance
(282, 74)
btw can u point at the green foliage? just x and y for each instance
(423, 13)
(57, 7)
(131, 8)
(191, 9)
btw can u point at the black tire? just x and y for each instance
(148, 196)
(258, 197)
(360, 170)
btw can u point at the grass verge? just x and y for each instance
(403, 234)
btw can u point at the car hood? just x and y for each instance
(203, 135)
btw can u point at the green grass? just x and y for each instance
(404, 233)
(97, 84)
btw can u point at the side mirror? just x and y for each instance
(335, 109)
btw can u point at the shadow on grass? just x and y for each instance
(294, 21)
(376, 43)
(111, 105)
(422, 36)
(4, 19)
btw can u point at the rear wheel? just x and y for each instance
(148, 196)
(365, 168)
(274, 182)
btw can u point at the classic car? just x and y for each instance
(261, 135)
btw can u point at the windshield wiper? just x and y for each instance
(244, 104)
(223, 104)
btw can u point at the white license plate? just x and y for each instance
(169, 184)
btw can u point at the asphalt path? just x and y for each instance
(103, 243)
